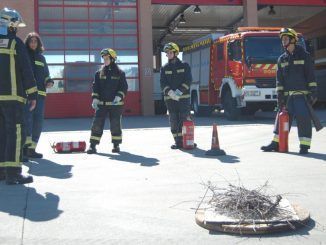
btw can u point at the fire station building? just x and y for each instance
(74, 32)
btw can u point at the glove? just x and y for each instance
(280, 100)
(116, 100)
(178, 92)
(95, 104)
(173, 95)
(312, 97)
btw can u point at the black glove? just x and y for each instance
(312, 97)
(280, 100)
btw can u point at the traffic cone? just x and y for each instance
(215, 148)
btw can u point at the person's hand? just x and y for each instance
(280, 100)
(32, 105)
(95, 103)
(49, 85)
(116, 100)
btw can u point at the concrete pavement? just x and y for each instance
(148, 193)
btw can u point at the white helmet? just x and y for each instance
(11, 18)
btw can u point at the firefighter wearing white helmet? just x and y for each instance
(296, 86)
(17, 85)
(109, 90)
(175, 83)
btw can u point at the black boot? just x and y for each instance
(14, 177)
(177, 145)
(273, 146)
(2, 173)
(33, 154)
(303, 150)
(116, 148)
(91, 149)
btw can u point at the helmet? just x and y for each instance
(171, 47)
(11, 18)
(288, 32)
(110, 52)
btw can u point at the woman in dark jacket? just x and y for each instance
(34, 119)
(109, 90)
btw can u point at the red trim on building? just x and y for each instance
(65, 105)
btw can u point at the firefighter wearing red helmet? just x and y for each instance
(296, 86)
(17, 85)
(175, 83)
(109, 90)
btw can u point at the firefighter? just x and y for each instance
(34, 119)
(295, 86)
(175, 83)
(109, 90)
(16, 84)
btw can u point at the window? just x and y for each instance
(235, 50)
(321, 42)
(75, 31)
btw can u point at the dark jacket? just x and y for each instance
(176, 76)
(109, 83)
(295, 72)
(41, 71)
(17, 81)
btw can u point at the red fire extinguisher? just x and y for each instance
(283, 130)
(68, 147)
(188, 129)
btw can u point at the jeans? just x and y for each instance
(34, 122)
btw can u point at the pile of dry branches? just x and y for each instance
(244, 205)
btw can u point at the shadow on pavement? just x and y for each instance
(319, 156)
(198, 152)
(45, 167)
(303, 231)
(132, 158)
(25, 202)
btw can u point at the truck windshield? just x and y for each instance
(263, 48)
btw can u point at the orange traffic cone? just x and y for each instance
(215, 148)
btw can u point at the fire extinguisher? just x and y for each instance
(188, 129)
(68, 147)
(283, 130)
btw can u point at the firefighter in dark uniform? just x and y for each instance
(295, 86)
(109, 90)
(34, 119)
(16, 83)
(175, 83)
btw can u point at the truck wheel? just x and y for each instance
(230, 106)
(200, 111)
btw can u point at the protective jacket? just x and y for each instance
(295, 73)
(176, 76)
(17, 81)
(109, 83)
(41, 71)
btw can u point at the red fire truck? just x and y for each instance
(235, 72)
